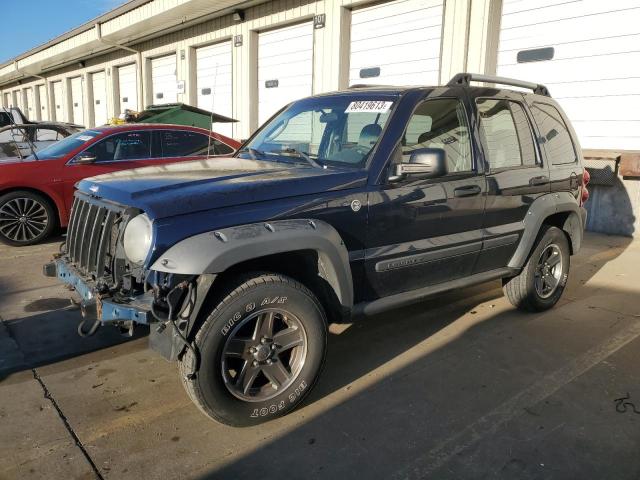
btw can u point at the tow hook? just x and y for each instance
(90, 316)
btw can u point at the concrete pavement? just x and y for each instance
(462, 386)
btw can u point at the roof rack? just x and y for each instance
(467, 78)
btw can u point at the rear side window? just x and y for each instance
(554, 132)
(505, 134)
(183, 143)
(440, 123)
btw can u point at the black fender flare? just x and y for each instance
(541, 209)
(216, 251)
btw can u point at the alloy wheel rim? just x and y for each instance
(23, 219)
(264, 355)
(548, 271)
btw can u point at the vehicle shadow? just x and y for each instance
(415, 411)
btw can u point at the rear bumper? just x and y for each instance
(94, 305)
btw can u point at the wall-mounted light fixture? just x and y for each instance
(238, 16)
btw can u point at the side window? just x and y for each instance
(183, 143)
(558, 143)
(440, 123)
(505, 134)
(123, 146)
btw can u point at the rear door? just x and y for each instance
(516, 174)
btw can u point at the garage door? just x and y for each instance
(285, 67)
(396, 43)
(29, 104)
(77, 101)
(214, 82)
(17, 94)
(7, 100)
(59, 112)
(99, 88)
(586, 53)
(164, 80)
(43, 100)
(128, 87)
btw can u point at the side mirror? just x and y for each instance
(424, 162)
(84, 158)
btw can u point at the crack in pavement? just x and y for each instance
(67, 425)
(49, 396)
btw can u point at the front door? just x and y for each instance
(427, 231)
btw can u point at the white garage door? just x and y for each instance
(215, 82)
(128, 87)
(77, 101)
(285, 67)
(99, 88)
(43, 100)
(396, 43)
(7, 100)
(59, 112)
(29, 104)
(587, 55)
(164, 80)
(17, 94)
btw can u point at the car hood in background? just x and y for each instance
(187, 187)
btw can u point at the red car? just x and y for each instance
(36, 192)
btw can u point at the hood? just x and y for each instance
(188, 187)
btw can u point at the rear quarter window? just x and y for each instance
(554, 134)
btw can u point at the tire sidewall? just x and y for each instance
(217, 329)
(551, 236)
(48, 208)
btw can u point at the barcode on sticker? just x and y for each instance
(370, 106)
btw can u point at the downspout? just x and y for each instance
(138, 53)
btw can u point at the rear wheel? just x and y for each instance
(540, 284)
(261, 350)
(26, 218)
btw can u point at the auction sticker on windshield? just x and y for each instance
(85, 138)
(369, 106)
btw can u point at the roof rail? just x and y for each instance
(467, 78)
(365, 85)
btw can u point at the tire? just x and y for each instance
(26, 218)
(533, 289)
(230, 350)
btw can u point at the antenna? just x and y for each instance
(213, 94)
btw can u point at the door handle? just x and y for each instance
(541, 180)
(467, 191)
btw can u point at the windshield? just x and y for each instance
(66, 145)
(339, 130)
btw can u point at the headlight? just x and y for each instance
(137, 238)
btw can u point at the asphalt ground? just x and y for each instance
(459, 386)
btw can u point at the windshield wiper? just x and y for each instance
(299, 154)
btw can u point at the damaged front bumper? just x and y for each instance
(97, 308)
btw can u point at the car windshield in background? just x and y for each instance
(339, 130)
(66, 145)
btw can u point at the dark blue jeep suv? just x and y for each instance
(342, 205)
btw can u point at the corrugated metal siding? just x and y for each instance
(330, 50)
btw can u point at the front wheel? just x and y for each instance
(540, 284)
(261, 351)
(26, 218)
